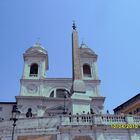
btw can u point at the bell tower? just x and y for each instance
(35, 62)
(88, 60)
(34, 71)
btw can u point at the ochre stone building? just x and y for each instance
(132, 106)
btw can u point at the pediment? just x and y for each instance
(35, 52)
(87, 54)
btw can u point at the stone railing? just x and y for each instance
(99, 119)
(70, 120)
(136, 119)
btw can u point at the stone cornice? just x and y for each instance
(58, 80)
(81, 100)
(8, 103)
(92, 81)
(41, 98)
(48, 80)
(97, 98)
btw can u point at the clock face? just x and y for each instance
(32, 88)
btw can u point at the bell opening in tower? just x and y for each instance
(34, 70)
(86, 70)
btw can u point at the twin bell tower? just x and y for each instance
(80, 93)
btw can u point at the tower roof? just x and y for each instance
(86, 52)
(37, 51)
(83, 45)
(36, 48)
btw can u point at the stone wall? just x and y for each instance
(37, 137)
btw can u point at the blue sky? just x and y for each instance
(109, 27)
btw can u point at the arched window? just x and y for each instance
(52, 94)
(60, 93)
(86, 70)
(34, 70)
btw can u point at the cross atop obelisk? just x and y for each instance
(74, 26)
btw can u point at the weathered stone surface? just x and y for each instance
(37, 137)
(76, 56)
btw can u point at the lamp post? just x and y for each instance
(15, 115)
(64, 112)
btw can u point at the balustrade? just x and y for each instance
(75, 120)
(98, 119)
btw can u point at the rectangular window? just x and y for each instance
(0, 108)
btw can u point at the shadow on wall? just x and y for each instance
(37, 137)
(51, 137)
(82, 138)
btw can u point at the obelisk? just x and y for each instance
(78, 85)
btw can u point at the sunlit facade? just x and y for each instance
(132, 106)
(63, 108)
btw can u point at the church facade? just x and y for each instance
(63, 108)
